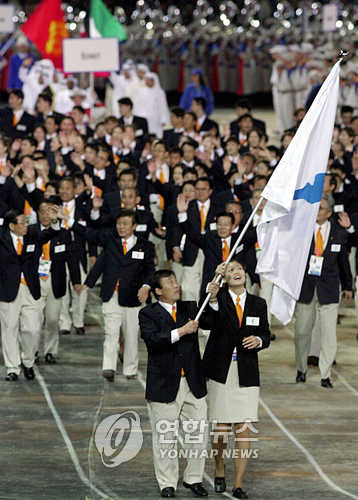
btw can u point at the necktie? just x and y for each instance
(162, 180)
(67, 212)
(124, 252)
(174, 313)
(45, 256)
(202, 218)
(239, 311)
(19, 247)
(14, 120)
(225, 251)
(319, 243)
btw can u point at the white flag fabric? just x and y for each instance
(293, 196)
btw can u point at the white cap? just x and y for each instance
(143, 67)
(21, 40)
(278, 49)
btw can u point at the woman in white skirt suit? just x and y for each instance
(239, 329)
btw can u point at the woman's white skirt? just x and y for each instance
(230, 403)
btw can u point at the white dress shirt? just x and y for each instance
(169, 308)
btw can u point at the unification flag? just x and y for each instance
(103, 24)
(46, 28)
(293, 196)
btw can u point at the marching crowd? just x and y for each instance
(150, 210)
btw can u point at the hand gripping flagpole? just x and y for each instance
(231, 254)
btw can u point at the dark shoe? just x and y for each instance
(239, 493)
(273, 336)
(37, 358)
(197, 488)
(220, 484)
(65, 332)
(50, 359)
(312, 361)
(131, 377)
(301, 377)
(326, 382)
(29, 373)
(334, 363)
(11, 377)
(80, 331)
(109, 375)
(168, 492)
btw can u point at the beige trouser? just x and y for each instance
(305, 319)
(192, 278)
(184, 408)
(178, 269)
(316, 339)
(79, 302)
(115, 317)
(21, 315)
(266, 293)
(51, 309)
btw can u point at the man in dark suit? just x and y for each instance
(53, 278)
(127, 118)
(243, 107)
(75, 210)
(327, 266)
(127, 265)
(175, 387)
(203, 123)
(14, 120)
(171, 136)
(44, 107)
(216, 245)
(20, 251)
(201, 214)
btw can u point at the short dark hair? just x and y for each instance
(128, 171)
(243, 103)
(127, 213)
(205, 179)
(177, 111)
(45, 96)
(186, 183)
(201, 101)
(17, 92)
(79, 108)
(346, 109)
(192, 114)
(157, 276)
(67, 179)
(126, 101)
(11, 217)
(226, 214)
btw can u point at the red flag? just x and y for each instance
(46, 29)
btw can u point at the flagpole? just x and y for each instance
(231, 254)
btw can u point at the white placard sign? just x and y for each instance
(87, 55)
(329, 17)
(6, 15)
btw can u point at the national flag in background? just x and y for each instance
(46, 28)
(103, 24)
(293, 196)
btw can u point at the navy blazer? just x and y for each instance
(12, 265)
(335, 269)
(165, 360)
